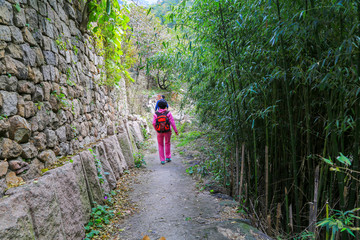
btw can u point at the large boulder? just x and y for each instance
(109, 173)
(20, 129)
(16, 219)
(115, 156)
(125, 145)
(91, 174)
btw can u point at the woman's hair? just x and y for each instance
(162, 103)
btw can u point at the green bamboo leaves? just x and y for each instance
(280, 75)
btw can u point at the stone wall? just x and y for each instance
(50, 107)
(50, 104)
(58, 204)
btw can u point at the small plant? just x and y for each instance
(39, 105)
(145, 133)
(340, 222)
(61, 98)
(98, 167)
(3, 116)
(17, 7)
(139, 160)
(76, 50)
(61, 43)
(100, 216)
(198, 169)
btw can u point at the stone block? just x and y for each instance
(48, 157)
(44, 207)
(49, 30)
(34, 170)
(19, 18)
(40, 141)
(4, 165)
(9, 106)
(50, 58)
(42, 8)
(70, 11)
(39, 56)
(31, 18)
(29, 151)
(8, 83)
(108, 172)
(30, 55)
(115, 156)
(126, 148)
(48, 72)
(9, 149)
(6, 13)
(16, 34)
(5, 33)
(53, 4)
(15, 51)
(26, 109)
(51, 138)
(26, 87)
(20, 129)
(16, 220)
(38, 95)
(34, 4)
(4, 128)
(17, 164)
(94, 187)
(16, 68)
(29, 37)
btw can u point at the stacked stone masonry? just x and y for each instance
(50, 107)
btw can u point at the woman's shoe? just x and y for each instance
(168, 159)
(162, 162)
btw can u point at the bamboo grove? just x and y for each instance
(280, 80)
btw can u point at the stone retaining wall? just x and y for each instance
(50, 107)
(58, 204)
(50, 104)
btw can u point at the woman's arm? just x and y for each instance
(172, 122)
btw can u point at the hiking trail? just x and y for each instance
(170, 205)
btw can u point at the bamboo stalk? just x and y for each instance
(266, 179)
(327, 216)
(291, 122)
(291, 222)
(278, 216)
(287, 211)
(237, 193)
(242, 168)
(314, 204)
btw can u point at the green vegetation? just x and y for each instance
(162, 8)
(139, 160)
(108, 25)
(280, 81)
(100, 216)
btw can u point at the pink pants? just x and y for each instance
(160, 138)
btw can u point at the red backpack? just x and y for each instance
(162, 122)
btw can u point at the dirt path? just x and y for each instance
(169, 203)
(171, 206)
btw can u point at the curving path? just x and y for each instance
(170, 206)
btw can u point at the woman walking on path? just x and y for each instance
(157, 103)
(162, 122)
